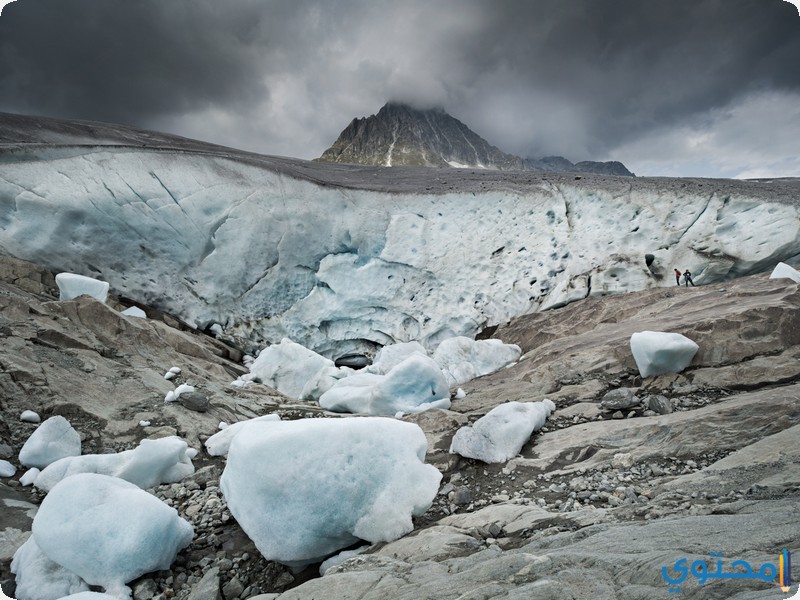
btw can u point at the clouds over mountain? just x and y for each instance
(586, 79)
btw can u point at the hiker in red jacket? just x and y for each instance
(678, 277)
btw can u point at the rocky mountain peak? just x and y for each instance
(401, 135)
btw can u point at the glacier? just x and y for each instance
(344, 259)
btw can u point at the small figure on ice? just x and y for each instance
(678, 277)
(687, 278)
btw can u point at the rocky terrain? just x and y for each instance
(615, 487)
(401, 135)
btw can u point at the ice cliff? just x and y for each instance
(346, 259)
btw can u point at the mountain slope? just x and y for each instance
(403, 136)
(400, 135)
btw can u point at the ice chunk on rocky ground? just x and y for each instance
(39, 578)
(134, 311)
(657, 352)
(29, 416)
(219, 443)
(152, 462)
(322, 381)
(784, 271)
(338, 559)
(302, 490)
(71, 286)
(7, 469)
(104, 530)
(415, 385)
(89, 596)
(499, 435)
(392, 355)
(462, 358)
(172, 373)
(52, 440)
(29, 476)
(287, 367)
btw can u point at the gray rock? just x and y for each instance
(619, 399)
(208, 587)
(145, 589)
(354, 361)
(9, 587)
(462, 496)
(194, 401)
(233, 589)
(659, 404)
(6, 451)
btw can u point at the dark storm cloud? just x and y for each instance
(627, 65)
(580, 77)
(126, 60)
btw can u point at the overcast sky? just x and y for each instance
(668, 87)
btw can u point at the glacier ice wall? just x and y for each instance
(342, 268)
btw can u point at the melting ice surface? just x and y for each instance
(657, 352)
(249, 250)
(402, 378)
(499, 435)
(71, 286)
(163, 460)
(305, 489)
(79, 538)
(52, 440)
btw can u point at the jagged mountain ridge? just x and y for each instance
(400, 135)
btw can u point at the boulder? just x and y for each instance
(619, 399)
